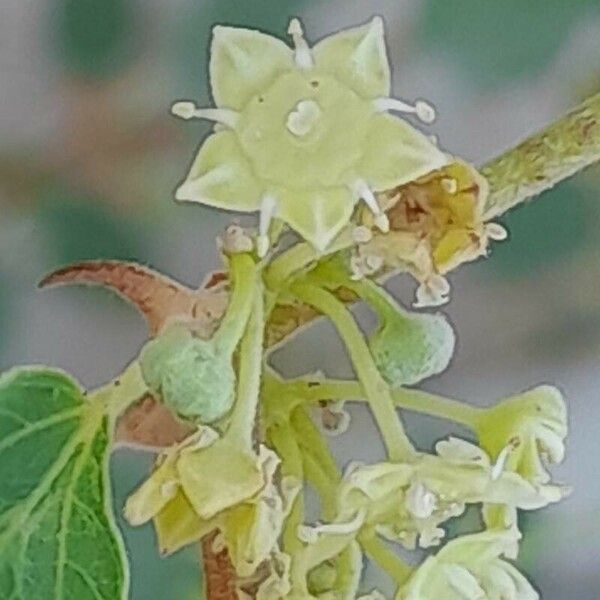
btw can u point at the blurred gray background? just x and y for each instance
(89, 158)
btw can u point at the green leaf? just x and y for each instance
(58, 539)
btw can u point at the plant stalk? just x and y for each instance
(375, 388)
(562, 149)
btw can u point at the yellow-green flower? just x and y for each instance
(471, 567)
(208, 483)
(526, 432)
(530, 427)
(407, 502)
(304, 133)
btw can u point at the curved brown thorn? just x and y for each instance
(160, 299)
(156, 296)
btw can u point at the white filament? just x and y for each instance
(267, 212)
(364, 192)
(423, 110)
(302, 55)
(188, 110)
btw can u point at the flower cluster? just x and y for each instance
(303, 134)
(436, 224)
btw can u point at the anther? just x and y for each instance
(496, 232)
(421, 109)
(362, 234)
(450, 185)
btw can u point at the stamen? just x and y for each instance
(364, 192)
(500, 463)
(420, 502)
(188, 110)
(450, 185)
(302, 57)
(432, 292)
(362, 234)
(267, 212)
(423, 110)
(496, 232)
(310, 535)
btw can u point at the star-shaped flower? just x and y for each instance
(304, 133)
(532, 427)
(471, 567)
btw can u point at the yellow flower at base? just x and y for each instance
(207, 483)
(436, 224)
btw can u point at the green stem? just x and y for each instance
(375, 388)
(282, 439)
(388, 560)
(320, 469)
(243, 272)
(408, 399)
(123, 391)
(241, 425)
(374, 295)
(300, 257)
(562, 149)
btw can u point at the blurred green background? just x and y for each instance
(89, 157)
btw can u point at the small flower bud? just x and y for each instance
(409, 347)
(189, 374)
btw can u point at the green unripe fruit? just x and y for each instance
(409, 347)
(190, 375)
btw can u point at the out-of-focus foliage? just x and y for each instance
(500, 41)
(78, 226)
(542, 233)
(95, 38)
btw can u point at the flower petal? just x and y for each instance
(396, 153)
(220, 176)
(463, 582)
(358, 58)
(244, 61)
(218, 477)
(178, 525)
(153, 495)
(317, 215)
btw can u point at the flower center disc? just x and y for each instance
(306, 131)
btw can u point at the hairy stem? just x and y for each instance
(562, 149)
(282, 439)
(375, 388)
(387, 560)
(299, 257)
(244, 279)
(241, 425)
(123, 391)
(319, 467)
